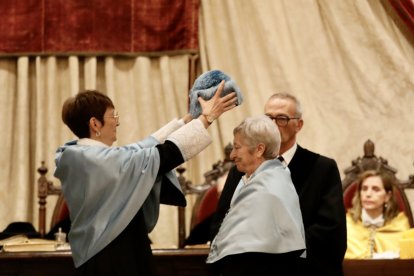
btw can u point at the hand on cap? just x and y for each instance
(213, 108)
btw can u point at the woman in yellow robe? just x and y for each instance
(374, 223)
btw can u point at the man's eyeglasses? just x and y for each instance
(281, 120)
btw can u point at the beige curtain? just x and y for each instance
(148, 92)
(346, 60)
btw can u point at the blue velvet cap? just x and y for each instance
(206, 85)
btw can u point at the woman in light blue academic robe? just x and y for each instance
(113, 193)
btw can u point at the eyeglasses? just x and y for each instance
(281, 120)
(115, 116)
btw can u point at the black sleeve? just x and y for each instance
(170, 156)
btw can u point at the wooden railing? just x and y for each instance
(180, 262)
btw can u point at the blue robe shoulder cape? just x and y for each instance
(264, 216)
(105, 187)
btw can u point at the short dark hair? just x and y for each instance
(78, 110)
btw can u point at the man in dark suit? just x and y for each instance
(318, 184)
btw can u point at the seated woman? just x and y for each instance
(374, 223)
(262, 234)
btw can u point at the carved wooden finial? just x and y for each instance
(180, 170)
(227, 151)
(42, 169)
(369, 148)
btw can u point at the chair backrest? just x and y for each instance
(369, 161)
(46, 188)
(205, 206)
(207, 194)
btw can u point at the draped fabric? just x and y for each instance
(98, 26)
(405, 10)
(348, 62)
(147, 92)
(362, 239)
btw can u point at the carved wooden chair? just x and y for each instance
(369, 161)
(207, 195)
(46, 188)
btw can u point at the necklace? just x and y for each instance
(371, 241)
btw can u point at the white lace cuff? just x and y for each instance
(166, 130)
(191, 139)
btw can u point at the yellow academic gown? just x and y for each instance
(385, 238)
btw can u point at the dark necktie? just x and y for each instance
(282, 160)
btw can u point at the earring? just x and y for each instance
(385, 205)
(98, 133)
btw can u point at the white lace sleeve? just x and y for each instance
(191, 139)
(166, 130)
